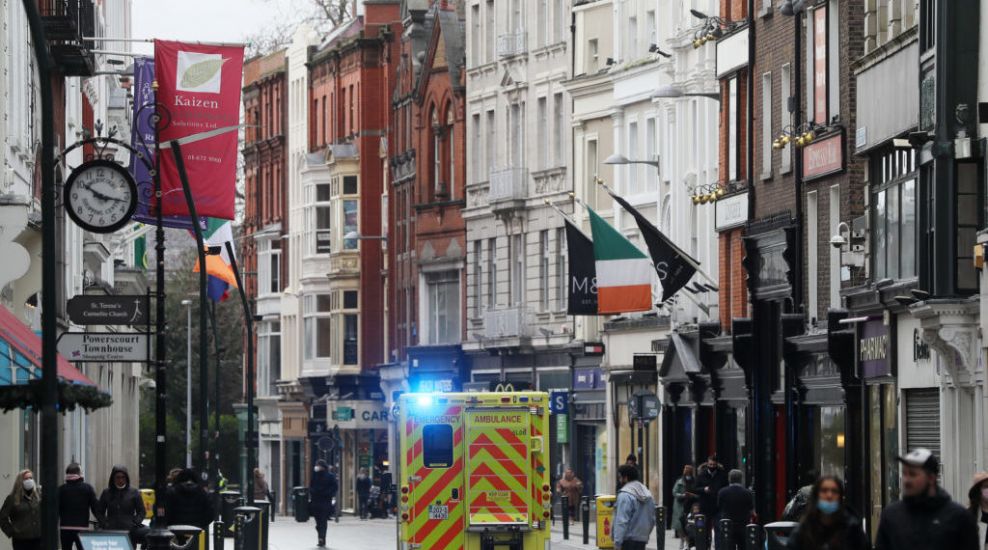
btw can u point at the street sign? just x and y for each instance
(643, 406)
(562, 428)
(104, 541)
(108, 310)
(558, 402)
(104, 346)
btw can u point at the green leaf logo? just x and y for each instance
(200, 73)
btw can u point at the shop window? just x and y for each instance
(893, 236)
(437, 445)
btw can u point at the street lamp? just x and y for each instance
(618, 158)
(664, 92)
(188, 383)
(354, 235)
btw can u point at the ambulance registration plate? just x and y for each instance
(438, 512)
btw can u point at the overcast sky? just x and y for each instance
(205, 20)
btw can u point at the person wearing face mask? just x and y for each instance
(827, 524)
(20, 516)
(121, 507)
(321, 492)
(926, 517)
(683, 494)
(76, 499)
(978, 506)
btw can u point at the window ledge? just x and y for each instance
(765, 176)
(786, 169)
(766, 12)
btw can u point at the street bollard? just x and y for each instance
(660, 527)
(726, 530)
(246, 517)
(585, 510)
(189, 535)
(218, 540)
(702, 537)
(564, 503)
(754, 537)
(159, 539)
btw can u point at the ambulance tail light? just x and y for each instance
(545, 514)
(404, 489)
(404, 516)
(545, 488)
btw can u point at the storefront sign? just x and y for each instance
(732, 52)
(562, 428)
(873, 349)
(359, 415)
(823, 157)
(731, 211)
(559, 402)
(587, 378)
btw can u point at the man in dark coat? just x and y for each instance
(735, 503)
(76, 499)
(121, 508)
(710, 479)
(187, 503)
(321, 494)
(363, 492)
(926, 517)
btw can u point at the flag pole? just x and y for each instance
(559, 211)
(689, 259)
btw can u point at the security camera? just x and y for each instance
(838, 241)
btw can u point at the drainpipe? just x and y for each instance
(750, 123)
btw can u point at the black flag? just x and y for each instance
(674, 267)
(582, 273)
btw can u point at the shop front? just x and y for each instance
(358, 433)
(588, 426)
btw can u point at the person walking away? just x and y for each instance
(572, 487)
(634, 512)
(683, 495)
(826, 523)
(20, 516)
(710, 479)
(120, 507)
(735, 503)
(76, 499)
(363, 492)
(188, 503)
(321, 493)
(978, 506)
(926, 517)
(261, 489)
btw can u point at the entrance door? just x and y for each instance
(586, 458)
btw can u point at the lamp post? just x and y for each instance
(188, 383)
(618, 158)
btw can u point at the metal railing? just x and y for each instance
(508, 185)
(512, 44)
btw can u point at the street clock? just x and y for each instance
(100, 196)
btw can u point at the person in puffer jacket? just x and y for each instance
(634, 513)
(121, 508)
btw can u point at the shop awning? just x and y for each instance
(20, 355)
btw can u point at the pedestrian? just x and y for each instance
(76, 499)
(221, 482)
(634, 512)
(710, 479)
(121, 508)
(691, 524)
(322, 490)
(735, 503)
(683, 494)
(363, 492)
(827, 523)
(799, 503)
(20, 516)
(262, 490)
(188, 503)
(572, 487)
(172, 474)
(926, 517)
(978, 506)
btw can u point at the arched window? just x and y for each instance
(437, 166)
(450, 154)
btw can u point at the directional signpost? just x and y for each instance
(104, 346)
(108, 310)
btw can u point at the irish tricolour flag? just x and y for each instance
(624, 273)
(219, 268)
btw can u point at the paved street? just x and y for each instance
(287, 534)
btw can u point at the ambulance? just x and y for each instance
(474, 471)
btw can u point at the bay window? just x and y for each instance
(319, 219)
(317, 326)
(893, 246)
(269, 267)
(268, 357)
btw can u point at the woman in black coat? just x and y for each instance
(827, 525)
(321, 494)
(187, 503)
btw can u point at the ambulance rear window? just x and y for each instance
(437, 445)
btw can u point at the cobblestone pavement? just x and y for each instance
(351, 533)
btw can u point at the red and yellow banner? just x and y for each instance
(199, 89)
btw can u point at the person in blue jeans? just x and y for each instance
(634, 512)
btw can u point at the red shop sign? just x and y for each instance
(823, 157)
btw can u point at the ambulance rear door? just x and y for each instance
(498, 451)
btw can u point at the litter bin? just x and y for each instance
(183, 533)
(777, 534)
(300, 498)
(605, 520)
(263, 523)
(229, 500)
(147, 495)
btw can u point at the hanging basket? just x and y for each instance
(70, 396)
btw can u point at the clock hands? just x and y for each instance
(103, 197)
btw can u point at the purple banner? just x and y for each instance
(588, 378)
(874, 349)
(142, 139)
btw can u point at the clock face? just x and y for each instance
(100, 196)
